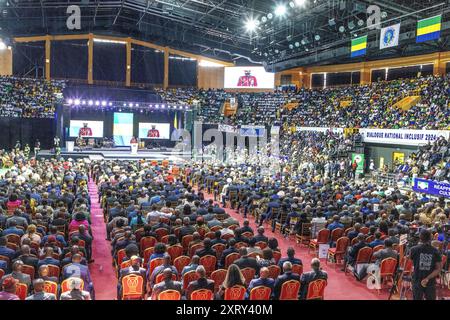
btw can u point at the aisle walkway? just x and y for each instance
(102, 271)
(340, 286)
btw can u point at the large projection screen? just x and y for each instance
(123, 128)
(159, 131)
(86, 129)
(248, 78)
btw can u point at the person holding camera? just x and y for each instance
(427, 266)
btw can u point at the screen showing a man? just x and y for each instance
(85, 131)
(153, 132)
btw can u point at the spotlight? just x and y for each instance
(351, 25)
(187, 108)
(90, 102)
(291, 46)
(97, 103)
(110, 104)
(250, 25)
(157, 106)
(103, 103)
(300, 3)
(342, 29)
(70, 101)
(270, 16)
(151, 106)
(83, 102)
(77, 102)
(130, 104)
(163, 106)
(264, 19)
(292, 4)
(360, 23)
(120, 109)
(297, 44)
(124, 104)
(384, 14)
(317, 37)
(277, 51)
(280, 10)
(142, 111)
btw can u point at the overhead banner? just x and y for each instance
(359, 47)
(402, 136)
(248, 78)
(389, 36)
(252, 131)
(438, 189)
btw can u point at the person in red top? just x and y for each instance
(85, 131)
(248, 80)
(153, 132)
(133, 140)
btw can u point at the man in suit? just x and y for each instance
(39, 293)
(18, 274)
(187, 228)
(352, 253)
(290, 257)
(230, 249)
(27, 258)
(286, 276)
(48, 259)
(245, 261)
(374, 268)
(310, 276)
(206, 250)
(260, 236)
(166, 284)
(5, 251)
(263, 280)
(201, 283)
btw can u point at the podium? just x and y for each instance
(134, 148)
(70, 146)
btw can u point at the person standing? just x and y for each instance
(427, 263)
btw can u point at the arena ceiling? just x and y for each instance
(305, 32)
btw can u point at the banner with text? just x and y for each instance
(438, 189)
(226, 128)
(402, 136)
(320, 129)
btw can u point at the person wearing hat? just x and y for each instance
(9, 289)
(75, 293)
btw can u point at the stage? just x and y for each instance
(122, 153)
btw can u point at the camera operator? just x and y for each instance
(427, 266)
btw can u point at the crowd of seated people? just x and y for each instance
(29, 98)
(45, 235)
(169, 242)
(371, 106)
(431, 161)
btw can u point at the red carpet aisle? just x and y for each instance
(102, 271)
(340, 286)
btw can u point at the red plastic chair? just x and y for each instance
(181, 262)
(229, 259)
(249, 274)
(209, 262)
(218, 276)
(289, 290)
(186, 241)
(202, 294)
(51, 287)
(147, 242)
(155, 263)
(387, 270)
(260, 293)
(274, 271)
(316, 289)
(219, 247)
(188, 278)
(169, 295)
(297, 268)
(132, 287)
(175, 251)
(276, 255)
(234, 293)
(161, 232)
(322, 238)
(337, 254)
(21, 290)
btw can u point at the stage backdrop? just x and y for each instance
(27, 131)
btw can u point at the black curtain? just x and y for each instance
(182, 72)
(427, 70)
(69, 59)
(378, 75)
(109, 62)
(147, 65)
(29, 59)
(339, 79)
(317, 80)
(447, 67)
(27, 130)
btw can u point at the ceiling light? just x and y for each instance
(360, 23)
(250, 25)
(317, 37)
(297, 44)
(342, 29)
(264, 19)
(280, 10)
(270, 16)
(300, 3)
(291, 46)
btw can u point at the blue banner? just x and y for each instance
(438, 189)
(252, 131)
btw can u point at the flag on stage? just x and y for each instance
(429, 29)
(359, 46)
(389, 36)
(175, 121)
